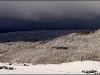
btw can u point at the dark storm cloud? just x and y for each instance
(37, 10)
(28, 15)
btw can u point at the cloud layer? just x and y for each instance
(45, 10)
(48, 15)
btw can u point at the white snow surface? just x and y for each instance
(64, 68)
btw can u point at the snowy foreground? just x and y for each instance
(64, 68)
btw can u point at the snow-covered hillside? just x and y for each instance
(49, 46)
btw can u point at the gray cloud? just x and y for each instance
(42, 10)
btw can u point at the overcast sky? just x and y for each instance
(28, 15)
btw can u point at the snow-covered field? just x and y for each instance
(64, 68)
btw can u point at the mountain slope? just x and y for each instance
(49, 46)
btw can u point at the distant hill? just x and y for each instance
(49, 46)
